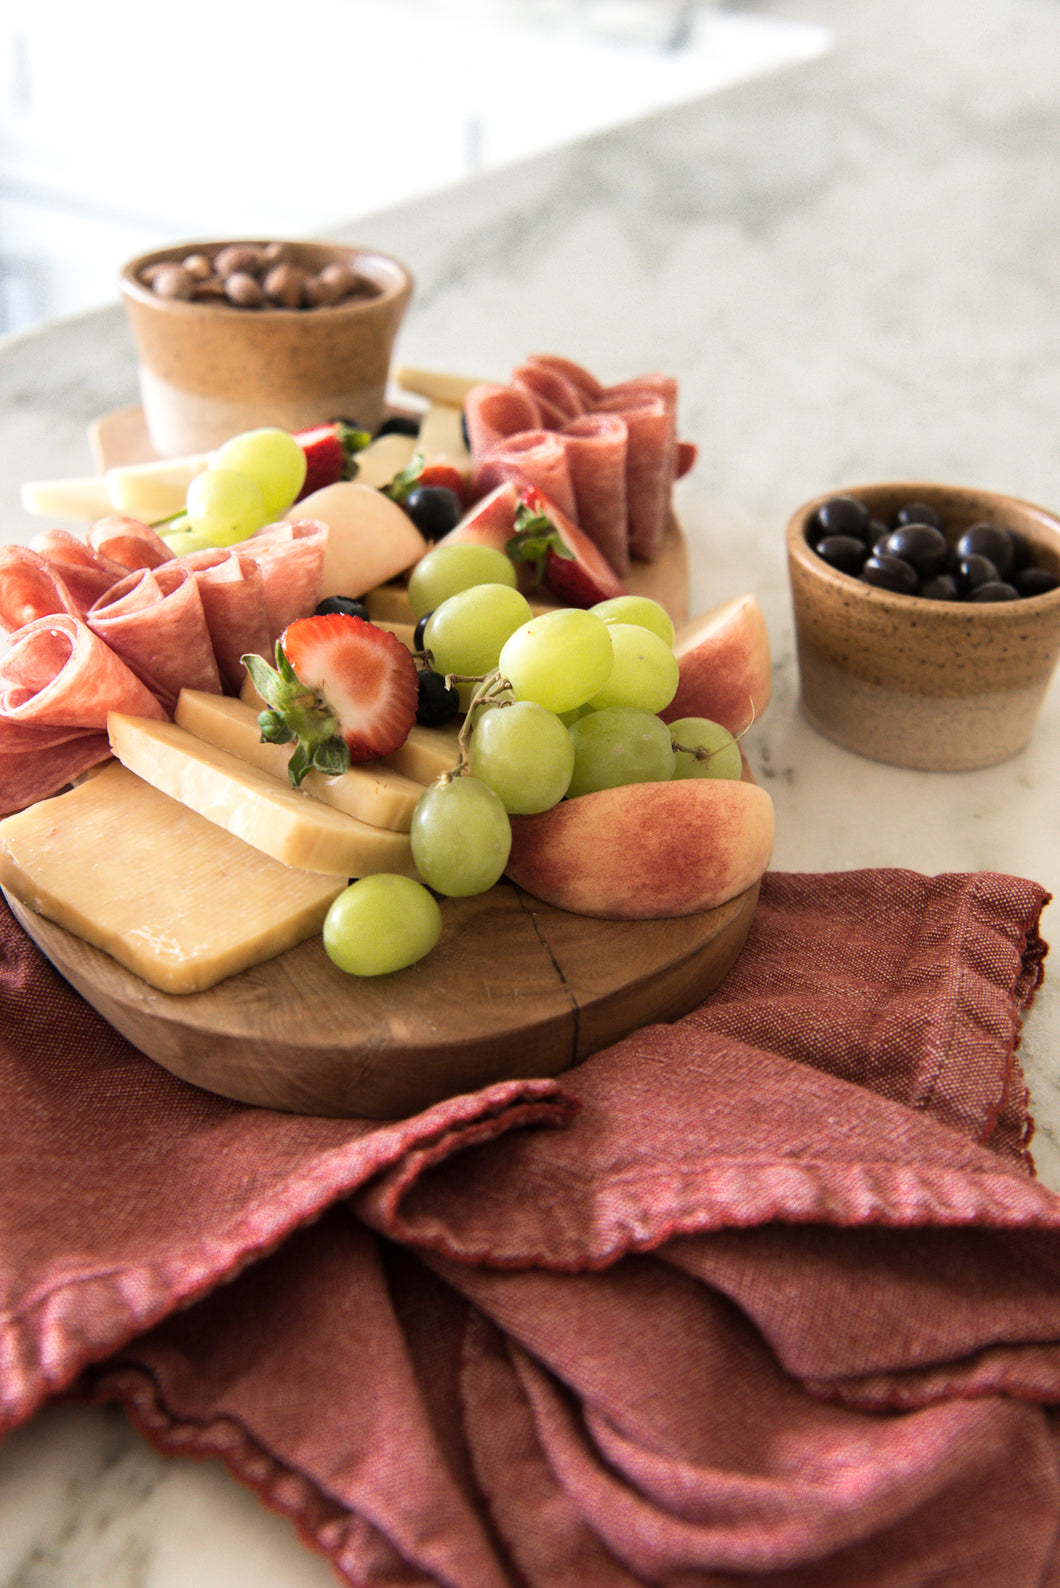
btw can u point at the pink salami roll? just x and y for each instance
(30, 588)
(557, 397)
(232, 591)
(533, 457)
(58, 680)
(575, 374)
(651, 462)
(154, 620)
(128, 542)
(85, 572)
(291, 559)
(494, 412)
(596, 457)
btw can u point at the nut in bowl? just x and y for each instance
(231, 336)
(947, 680)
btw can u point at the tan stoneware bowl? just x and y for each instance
(209, 369)
(938, 685)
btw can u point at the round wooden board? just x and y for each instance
(514, 988)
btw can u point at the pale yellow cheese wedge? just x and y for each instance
(440, 386)
(380, 460)
(253, 805)
(389, 603)
(370, 538)
(167, 894)
(372, 792)
(441, 437)
(85, 499)
(154, 490)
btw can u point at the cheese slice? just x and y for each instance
(167, 894)
(381, 459)
(389, 603)
(85, 499)
(440, 386)
(253, 805)
(154, 490)
(372, 792)
(441, 437)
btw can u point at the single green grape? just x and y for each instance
(454, 566)
(274, 461)
(559, 658)
(720, 749)
(380, 924)
(644, 671)
(225, 506)
(642, 610)
(619, 745)
(180, 541)
(461, 836)
(466, 632)
(525, 755)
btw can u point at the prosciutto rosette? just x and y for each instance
(58, 680)
(619, 446)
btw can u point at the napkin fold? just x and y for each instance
(770, 1294)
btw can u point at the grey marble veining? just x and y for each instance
(854, 268)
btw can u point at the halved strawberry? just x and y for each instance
(344, 689)
(563, 557)
(330, 453)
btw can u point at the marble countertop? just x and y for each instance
(853, 266)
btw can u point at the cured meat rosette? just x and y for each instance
(607, 455)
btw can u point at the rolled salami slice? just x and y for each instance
(154, 620)
(30, 588)
(85, 572)
(58, 680)
(128, 542)
(596, 446)
(494, 412)
(532, 457)
(575, 374)
(651, 462)
(557, 397)
(291, 559)
(232, 591)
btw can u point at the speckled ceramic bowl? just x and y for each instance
(943, 686)
(209, 370)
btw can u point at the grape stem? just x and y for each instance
(493, 690)
(700, 751)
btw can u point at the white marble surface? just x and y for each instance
(854, 269)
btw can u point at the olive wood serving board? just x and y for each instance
(514, 988)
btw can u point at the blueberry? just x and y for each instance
(437, 705)
(349, 606)
(434, 510)
(399, 425)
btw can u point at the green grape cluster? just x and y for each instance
(249, 482)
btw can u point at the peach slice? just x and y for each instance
(370, 538)
(645, 850)
(725, 667)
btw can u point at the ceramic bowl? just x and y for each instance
(939, 685)
(209, 370)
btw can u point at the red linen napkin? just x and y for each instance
(768, 1295)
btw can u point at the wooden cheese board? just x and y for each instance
(514, 988)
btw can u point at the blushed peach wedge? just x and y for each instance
(645, 850)
(725, 668)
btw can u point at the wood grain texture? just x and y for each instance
(514, 988)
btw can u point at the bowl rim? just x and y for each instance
(897, 603)
(398, 280)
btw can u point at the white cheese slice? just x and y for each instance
(381, 459)
(85, 499)
(253, 805)
(389, 603)
(440, 386)
(167, 894)
(372, 792)
(155, 490)
(441, 438)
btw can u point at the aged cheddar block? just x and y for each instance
(167, 894)
(370, 791)
(253, 805)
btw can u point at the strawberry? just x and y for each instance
(344, 689)
(564, 559)
(446, 476)
(331, 453)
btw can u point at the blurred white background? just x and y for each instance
(125, 126)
